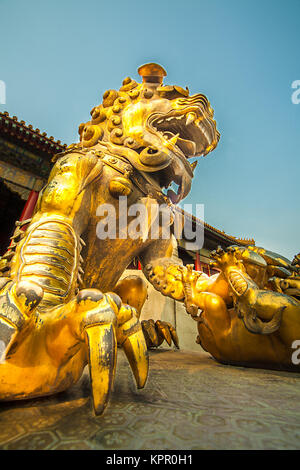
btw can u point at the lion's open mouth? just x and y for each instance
(189, 130)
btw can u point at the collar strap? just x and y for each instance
(124, 167)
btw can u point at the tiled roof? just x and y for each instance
(12, 127)
(219, 233)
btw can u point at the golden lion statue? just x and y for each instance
(257, 323)
(62, 303)
(59, 302)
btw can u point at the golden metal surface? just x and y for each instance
(249, 313)
(55, 317)
(62, 304)
(247, 318)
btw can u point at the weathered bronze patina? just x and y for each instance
(62, 304)
(250, 312)
(59, 304)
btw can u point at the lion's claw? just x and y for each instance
(157, 332)
(17, 304)
(231, 256)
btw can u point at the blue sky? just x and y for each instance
(59, 56)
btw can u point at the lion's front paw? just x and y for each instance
(157, 332)
(228, 259)
(102, 322)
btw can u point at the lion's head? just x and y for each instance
(156, 127)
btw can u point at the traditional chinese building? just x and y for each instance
(25, 162)
(212, 238)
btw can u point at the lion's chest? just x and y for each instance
(118, 230)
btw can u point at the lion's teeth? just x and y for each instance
(190, 118)
(193, 165)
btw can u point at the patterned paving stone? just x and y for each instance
(190, 402)
(275, 443)
(147, 426)
(112, 439)
(158, 443)
(120, 418)
(230, 439)
(10, 430)
(36, 441)
(83, 429)
(76, 445)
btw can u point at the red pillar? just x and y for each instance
(197, 262)
(29, 206)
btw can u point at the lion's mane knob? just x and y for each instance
(120, 186)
